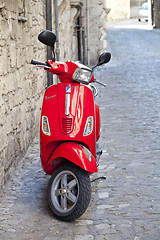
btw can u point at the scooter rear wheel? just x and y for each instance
(69, 192)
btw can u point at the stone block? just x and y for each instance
(3, 138)
(19, 57)
(9, 153)
(1, 176)
(2, 111)
(11, 6)
(1, 93)
(4, 61)
(9, 83)
(1, 65)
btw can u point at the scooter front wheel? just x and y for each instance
(69, 192)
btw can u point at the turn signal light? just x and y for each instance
(89, 126)
(45, 126)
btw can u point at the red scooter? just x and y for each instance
(69, 130)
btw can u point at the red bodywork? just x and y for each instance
(66, 140)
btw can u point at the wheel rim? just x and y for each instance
(65, 191)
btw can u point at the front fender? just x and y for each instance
(77, 154)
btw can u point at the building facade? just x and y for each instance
(156, 13)
(81, 30)
(118, 9)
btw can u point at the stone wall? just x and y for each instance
(97, 29)
(67, 14)
(21, 85)
(69, 11)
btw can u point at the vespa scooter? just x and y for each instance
(69, 131)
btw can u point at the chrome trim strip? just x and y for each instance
(67, 104)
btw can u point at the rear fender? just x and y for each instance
(76, 153)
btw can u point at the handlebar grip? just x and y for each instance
(34, 62)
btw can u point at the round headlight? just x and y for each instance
(82, 75)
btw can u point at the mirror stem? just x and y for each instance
(54, 56)
(103, 84)
(94, 67)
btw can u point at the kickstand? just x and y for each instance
(99, 178)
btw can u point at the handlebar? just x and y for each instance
(46, 66)
(40, 64)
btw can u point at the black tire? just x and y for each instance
(69, 192)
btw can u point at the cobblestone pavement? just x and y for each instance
(125, 206)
